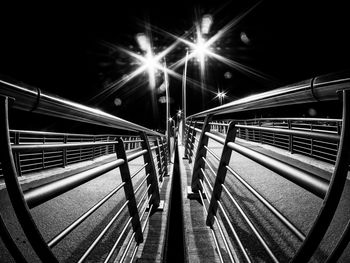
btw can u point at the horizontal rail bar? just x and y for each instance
(219, 124)
(223, 237)
(103, 232)
(131, 141)
(70, 135)
(35, 100)
(310, 135)
(131, 238)
(211, 229)
(280, 216)
(251, 225)
(53, 242)
(212, 153)
(139, 170)
(27, 148)
(294, 119)
(153, 148)
(306, 180)
(321, 88)
(215, 138)
(238, 240)
(136, 155)
(41, 194)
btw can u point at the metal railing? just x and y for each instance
(90, 148)
(209, 181)
(315, 137)
(22, 147)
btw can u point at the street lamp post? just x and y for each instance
(184, 109)
(166, 83)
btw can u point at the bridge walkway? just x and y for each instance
(298, 205)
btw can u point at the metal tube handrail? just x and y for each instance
(316, 185)
(277, 213)
(215, 138)
(54, 241)
(27, 148)
(289, 119)
(321, 88)
(132, 237)
(35, 100)
(103, 232)
(211, 229)
(67, 134)
(212, 153)
(219, 227)
(124, 229)
(330, 137)
(251, 225)
(43, 193)
(136, 155)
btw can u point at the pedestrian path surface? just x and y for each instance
(55, 215)
(298, 205)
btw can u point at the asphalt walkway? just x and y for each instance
(297, 204)
(55, 215)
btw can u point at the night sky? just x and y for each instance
(71, 50)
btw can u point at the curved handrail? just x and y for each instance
(321, 88)
(35, 100)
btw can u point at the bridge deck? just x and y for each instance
(298, 205)
(54, 215)
(295, 203)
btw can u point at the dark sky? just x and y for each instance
(68, 50)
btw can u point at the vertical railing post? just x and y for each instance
(246, 131)
(334, 193)
(201, 152)
(150, 169)
(260, 134)
(187, 141)
(129, 191)
(17, 155)
(192, 141)
(14, 190)
(43, 153)
(81, 140)
(159, 160)
(93, 149)
(221, 174)
(164, 157)
(290, 137)
(64, 153)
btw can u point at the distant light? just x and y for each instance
(207, 21)
(143, 41)
(245, 38)
(312, 112)
(151, 63)
(200, 49)
(228, 75)
(221, 94)
(117, 102)
(179, 112)
(162, 100)
(170, 119)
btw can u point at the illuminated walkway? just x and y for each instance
(296, 204)
(49, 215)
